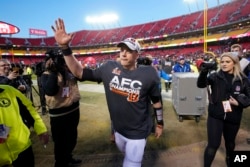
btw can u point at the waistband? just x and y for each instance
(64, 110)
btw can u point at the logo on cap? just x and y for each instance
(131, 43)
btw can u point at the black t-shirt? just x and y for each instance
(127, 94)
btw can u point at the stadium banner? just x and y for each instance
(6, 28)
(38, 32)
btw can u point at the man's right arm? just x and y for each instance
(74, 66)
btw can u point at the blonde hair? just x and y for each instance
(237, 72)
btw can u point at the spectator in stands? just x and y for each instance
(230, 93)
(194, 67)
(39, 69)
(167, 66)
(247, 54)
(17, 115)
(244, 63)
(128, 90)
(156, 64)
(4, 68)
(62, 98)
(238, 49)
(181, 65)
(29, 70)
(198, 61)
(11, 74)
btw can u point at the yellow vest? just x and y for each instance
(29, 71)
(194, 68)
(18, 139)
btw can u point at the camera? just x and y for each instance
(57, 58)
(208, 66)
(17, 68)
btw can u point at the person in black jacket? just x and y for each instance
(230, 93)
(11, 74)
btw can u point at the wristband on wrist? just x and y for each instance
(159, 126)
(67, 51)
(65, 46)
(159, 115)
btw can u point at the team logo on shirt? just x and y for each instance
(237, 88)
(126, 87)
(116, 71)
(4, 102)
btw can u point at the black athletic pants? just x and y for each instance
(215, 129)
(25, 159)
(64, 134)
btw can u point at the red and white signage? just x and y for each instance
(38, 32)
(6, 28)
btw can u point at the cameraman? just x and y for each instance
(62, 98)
(11, 74)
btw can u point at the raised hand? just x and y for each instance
(61, 36)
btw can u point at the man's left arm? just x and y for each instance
(158, 110)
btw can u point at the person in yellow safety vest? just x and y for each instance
(17, 115)
(29, 70)
(194, 67)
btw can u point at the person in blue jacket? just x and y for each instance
(182, 65)
(162, 74)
